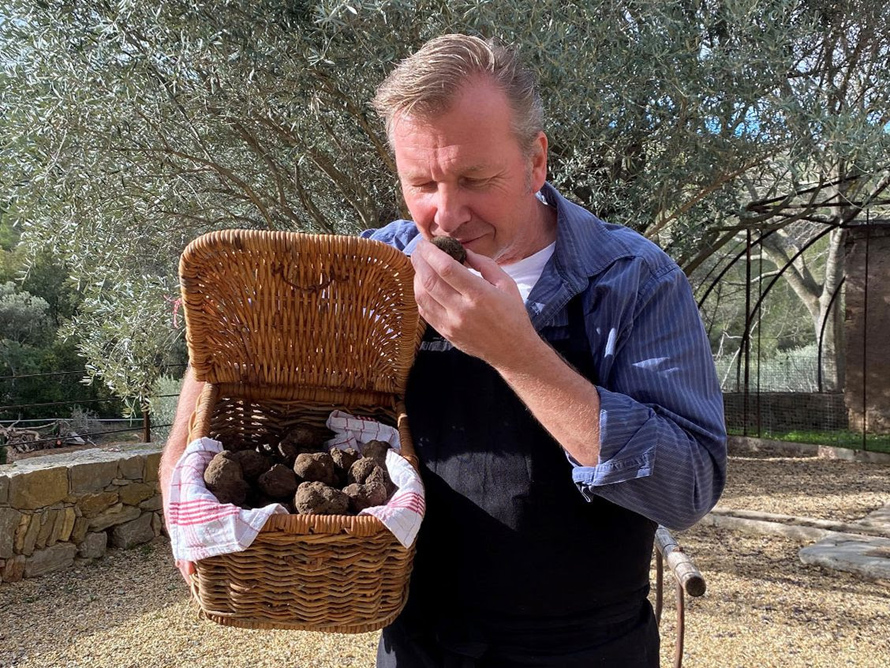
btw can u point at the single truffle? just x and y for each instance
(234, 442)
(366, 471)
(287, 452)
(365, 496)
(253, 464)
(279, 482)
(225, 479)
(316, 467)
(376, 450)
(343, 459)
(451, 246)
(316, 498)
(306, 439)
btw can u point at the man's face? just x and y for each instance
(464, 175)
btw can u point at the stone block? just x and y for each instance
(30, 540)
(152, 465)
(21, 532)
(38, 488)
(157, 523)
(4, 489)
(93, 545)
(50, 559)
(866, 556)
(10, 518)
(131, 468)
(91, 476)
(47, 523)
(154, 503)
(81, 526)
(118, 514)
(136, 492)
(93, 504)
(64, 525)
(133, 533)
(14, 569)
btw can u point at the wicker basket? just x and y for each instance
(285, 328)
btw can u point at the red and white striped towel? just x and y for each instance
(351, 431)
(198, 524)
(404, 511)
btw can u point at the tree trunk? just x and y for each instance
(817, 298)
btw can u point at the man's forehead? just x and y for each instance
(422, 169)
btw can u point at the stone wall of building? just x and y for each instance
(866, 327)
(57, 510)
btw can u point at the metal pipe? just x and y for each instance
(681, 626)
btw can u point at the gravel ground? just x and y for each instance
(763, 607)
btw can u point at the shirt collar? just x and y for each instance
(584, 248)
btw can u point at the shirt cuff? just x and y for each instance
(628, 434)
(617, 469)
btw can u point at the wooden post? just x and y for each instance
(146, 424)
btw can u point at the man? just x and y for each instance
(563, 401)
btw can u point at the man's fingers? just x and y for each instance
(187, 569)
(491, 271)
(430, 277)
(444, 267)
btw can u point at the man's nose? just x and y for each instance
(451, 209)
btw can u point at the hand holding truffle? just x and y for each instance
(451, 246)
(482, 316)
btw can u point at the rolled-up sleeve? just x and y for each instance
(662, 432)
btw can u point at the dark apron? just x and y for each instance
(514, 567)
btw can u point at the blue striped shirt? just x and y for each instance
(662, 432)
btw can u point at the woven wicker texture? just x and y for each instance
(281, 309)
(272, 363)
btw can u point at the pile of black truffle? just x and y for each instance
(299, 474)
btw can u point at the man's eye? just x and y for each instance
(475, 183)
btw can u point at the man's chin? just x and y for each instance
(480, 246)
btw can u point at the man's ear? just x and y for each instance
(538, 164)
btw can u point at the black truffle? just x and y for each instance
(253, 464)
(365, 496)
(362, 469)
(366, 471)
(316, 498)
(316, 467)
(376, 450)
(279, 482)
(451, 246)
(306, 439)
(287, 453)
(343, 459)
(225, 479)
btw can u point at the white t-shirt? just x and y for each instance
(526, 272)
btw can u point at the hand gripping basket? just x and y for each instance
(285, 328)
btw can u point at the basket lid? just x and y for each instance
(282, 310)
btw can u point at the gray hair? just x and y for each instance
(426, 83)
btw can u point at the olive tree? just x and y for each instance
(131, 127)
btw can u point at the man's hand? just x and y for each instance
(175, 446)
(484, 317)
(187, 569)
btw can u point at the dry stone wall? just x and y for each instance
(60, 509)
